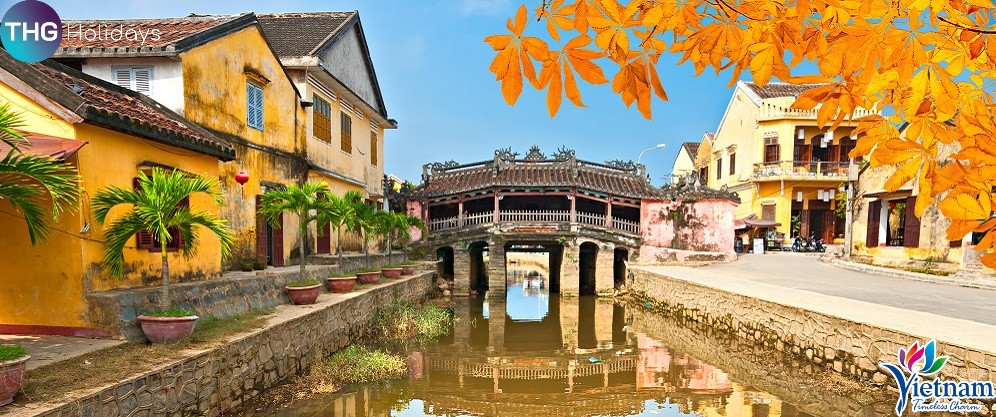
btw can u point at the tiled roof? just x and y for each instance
(776, 90)
(117, 108)
(563, 170)
(692, 148)
(159, 36)
(300, 34)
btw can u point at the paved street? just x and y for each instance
(809, 274)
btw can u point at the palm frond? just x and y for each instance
(30, 182)
(185, 221)
(10, 124)
(116, 236)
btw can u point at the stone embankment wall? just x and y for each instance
(233, 293)
(847, 347)
(222, 378)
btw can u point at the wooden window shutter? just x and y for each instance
(346, 123)
(768, 212)
(911, 227)
(122, 77)
(373, 148)
(278, 243)
(176, 238)
(260, 232)
(143, 80)
(143, 239)
(874, 211)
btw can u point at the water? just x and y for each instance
(539, 354)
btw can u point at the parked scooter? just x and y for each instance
(800, 244)
(810, 244)
(818, 246)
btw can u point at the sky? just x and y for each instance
(432, 66)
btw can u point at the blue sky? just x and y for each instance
(432, 65)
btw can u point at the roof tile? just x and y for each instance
(153, 33)
(298, 34)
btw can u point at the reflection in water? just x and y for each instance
(543, 355)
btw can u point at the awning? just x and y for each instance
(753, 221)
(34, 144)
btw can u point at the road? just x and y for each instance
(808, 273)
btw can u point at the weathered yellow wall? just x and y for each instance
(683, 164)
(46, 284)
(214, 78)
(737, 129)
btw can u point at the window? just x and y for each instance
(347, 132)
(704, 174)
(133, 78)
(719, 167)
(254, 106)
(733, 164)
(321, 125)
(772, 153)
(373, 148)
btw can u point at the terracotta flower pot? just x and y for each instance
(341, 284)
(167, 329)
(407, 269)
(304, 295)
(391, 273)
(368, 277)
(11, 375)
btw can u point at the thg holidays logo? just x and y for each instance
(922, 361)
(31, 31)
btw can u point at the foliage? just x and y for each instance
(338, 212)
(169, 312)
(408, 321)
(395, 226)
(417, 253)
(31, 182)
(155, 207)
(796, 225)
(11, 352)
(306, 201)
(840, 204)
(303, 283)
(357, 365)
(343, 275)
(926, 67)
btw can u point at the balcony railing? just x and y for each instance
(801, 169)
(770, 112)
(533, 216)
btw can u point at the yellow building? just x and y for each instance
(327, 56)
(218, 71)
(109, 134)
(684, 163)
(782, 165)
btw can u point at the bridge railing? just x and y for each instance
(533, 216)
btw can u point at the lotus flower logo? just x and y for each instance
(922, 360)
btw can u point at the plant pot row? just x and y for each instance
(309, 294)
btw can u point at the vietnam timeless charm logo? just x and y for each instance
(918, 362)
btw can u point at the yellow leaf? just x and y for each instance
(965, 207)
(760, 65)
(904, 173)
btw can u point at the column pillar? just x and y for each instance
(497, 215)
(608, 212)
(570, 271)
(603, 322)
(460, 212)
(496, 325)
(605, 270)
(461, 272)
(574, 211)
(496, 270)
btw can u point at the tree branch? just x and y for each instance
(970, 29)
(727, 5)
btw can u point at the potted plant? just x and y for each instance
(392, 271)
(154, 206)
(304, 291)
(408, 268)
(13, 362)
(247, 267)
(259, 266)
(368, 276)
(367, 220)
(341, 283)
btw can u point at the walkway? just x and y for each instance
(808, 273)
(950, 313)
(48, 349)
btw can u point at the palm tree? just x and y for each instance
(306, 200)
(338, 211)
(30, 182)
(155, 208)
(398, 225)
(366, 219)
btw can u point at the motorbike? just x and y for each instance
(818, 246)
(800, 244)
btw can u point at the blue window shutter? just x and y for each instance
(254, 106)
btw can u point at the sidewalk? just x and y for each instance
(48, 349)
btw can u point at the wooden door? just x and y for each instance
(262, 248)
(325, 240)
(829, 226)
(874, 213)
(278, 243)
(911, 227)
(804, 219)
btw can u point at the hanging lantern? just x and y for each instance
(242, 178)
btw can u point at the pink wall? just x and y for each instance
(415, 209)
(700, 226)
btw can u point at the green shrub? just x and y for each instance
(303, 283)
(170, 312)
(246, 267)
(408, 321)
(11, 352)
(342, 275)
(357, 365)
(369, 270)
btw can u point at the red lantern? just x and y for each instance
(242, 178)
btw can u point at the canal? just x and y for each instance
(539, 354)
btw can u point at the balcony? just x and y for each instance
(533, 217)
(801, 170)
(772, 112)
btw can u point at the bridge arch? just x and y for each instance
(444, 262)
(620, 257)
(588, 254)
(478, 267)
